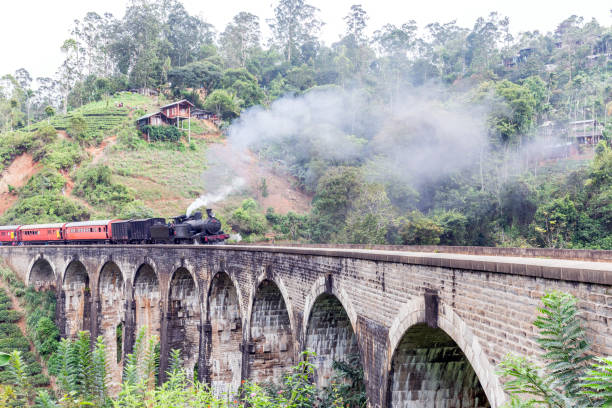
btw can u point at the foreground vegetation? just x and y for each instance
(571, 375)
(82, 380)
(570, 378)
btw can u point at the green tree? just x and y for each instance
(200, 74)
(49, 111)
(240, 39)
(416, 229)
(78, 128)
(222, 103)
(554, 223)
(247, 219)
(294, 26)
(185, 34)
(332, 203)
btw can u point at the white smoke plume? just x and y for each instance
(421, 136)
(208, 199)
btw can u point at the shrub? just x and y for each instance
(131, 139)
(78, 127)
(15, 343)
(9, 316)
(291, 225)
(246, 219)
(46, 336)
(162, 133)
(47, 181)
(63, 155)
(44, 208)
(95, 185)
(13, 144)
(416, 229)
(39, 380)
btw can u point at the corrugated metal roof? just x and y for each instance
(148, 116)
(177, 102)
(36, 226)
(92, 223)
(9, 227)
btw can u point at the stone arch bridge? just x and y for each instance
(428, 328)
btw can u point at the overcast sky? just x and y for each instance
(33, 31)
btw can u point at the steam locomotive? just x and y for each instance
(183, 229)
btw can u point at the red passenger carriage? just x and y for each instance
(88, 231)
(8, 235)
(32, 234)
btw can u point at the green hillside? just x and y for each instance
(418, 133)
(94, 163)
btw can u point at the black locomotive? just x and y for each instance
(182, 230)
(189, 230)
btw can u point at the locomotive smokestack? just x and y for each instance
(209, 212)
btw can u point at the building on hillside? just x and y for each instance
(176, 111)
(509, 62)
(153, 119)
(173, 114)
(585, 132)
(204, 115)
(546, 130)
(145, 91)
(524, 54)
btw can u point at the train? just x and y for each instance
(183, 229)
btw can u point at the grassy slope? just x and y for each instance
(166, 178)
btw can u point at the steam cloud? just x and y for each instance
(421, 137)
(211, 198)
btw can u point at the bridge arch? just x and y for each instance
(223, 330)
(77, 298)
(41, 274)
(111, 319)
(146, 297)
(329, 329)
(270, 332)
(443, 364)
(184, 317)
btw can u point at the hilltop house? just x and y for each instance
(204, 114)
(587, 131)
(172, 114)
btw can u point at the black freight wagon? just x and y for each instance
(134, 231)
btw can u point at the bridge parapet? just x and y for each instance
(247, 311)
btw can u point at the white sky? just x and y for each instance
(33, 31)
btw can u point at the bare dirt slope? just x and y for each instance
(96, 152)
(16, 175)
(282, 193)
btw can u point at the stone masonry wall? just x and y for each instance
(484, 304)
(184, 318)
(225, 359)
(271, 347)
(76, 295)
(111, 307)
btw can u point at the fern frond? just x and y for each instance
(527, 380)
(99, 371)
(598, 382)
(18, 374)
(563, 340)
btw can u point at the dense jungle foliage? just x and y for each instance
(435, 134)
(82, 379)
